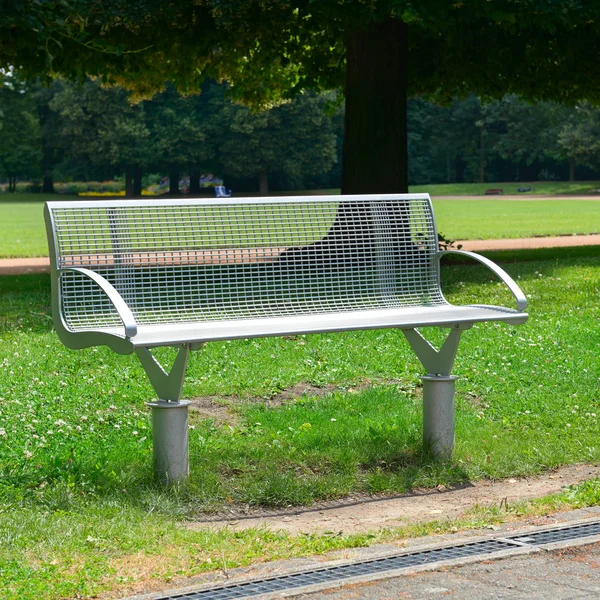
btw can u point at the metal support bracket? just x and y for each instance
(438, 389)
(436, 362)
(168, 386)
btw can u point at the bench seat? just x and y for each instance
(170, 334)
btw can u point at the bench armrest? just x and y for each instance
(501, 273)
(116, 299)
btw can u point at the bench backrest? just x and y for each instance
(198, 259)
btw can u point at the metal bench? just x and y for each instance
(137, 274)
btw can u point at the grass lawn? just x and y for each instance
(544, 188)
(80, 513)
(494, 219)
(22, 231)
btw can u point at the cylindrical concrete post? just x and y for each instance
(170, 440)
(438, 414)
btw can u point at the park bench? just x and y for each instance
(494, 192)
(138, 274)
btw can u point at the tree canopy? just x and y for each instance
(379, 51)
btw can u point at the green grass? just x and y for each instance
(22, 231)
(494, 219)
(80, 512)
(538, 188)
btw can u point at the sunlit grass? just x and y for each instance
(22, 231)
(77, 495)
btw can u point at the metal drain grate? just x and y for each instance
(371, 567)
(391, 563)
(573, 532)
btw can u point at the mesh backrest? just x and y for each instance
(191, 260)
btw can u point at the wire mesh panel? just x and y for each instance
(190, 260)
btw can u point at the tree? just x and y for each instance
(579, 139)
(99, 125)
(295, 140)
(20, 142)
(380, 52)
(526, 133)
(179, 136)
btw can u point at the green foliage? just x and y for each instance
(99, 125)
(268, 49)
(20, 143)
(296, 141)
(580, 136)
(271, 51)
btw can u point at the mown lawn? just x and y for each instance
(22, 231)
(80, 512)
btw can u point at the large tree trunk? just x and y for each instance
(194, 181)
(129, 182)
(263, 181)
(375, 140)
(137, 182)
(482, 156)
(173, 181)
(571, 169)
(375, 143)
(48, 183)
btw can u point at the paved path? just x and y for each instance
(561, 570)
(566, 574)
(18, 266)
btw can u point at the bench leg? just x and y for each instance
(438, 390)
(438, 414)
(170, 440)
(169, 416)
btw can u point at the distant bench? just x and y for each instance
(137, 274)
(494, 191)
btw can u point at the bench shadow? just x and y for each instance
(348, 501)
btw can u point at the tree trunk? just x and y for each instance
(128, 182)
(571, 169)
(459, 166)
(482, 156)
(174, 181)
(12, 183)
(263, 181)
(48, 184)
(375, 155)
(137, 182)
(194, 182)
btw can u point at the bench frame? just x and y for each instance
(170, 413)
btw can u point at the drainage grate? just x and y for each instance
(371, 567)
(573, 532)
(391, 563)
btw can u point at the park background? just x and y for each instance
(73, 137)
(292, 422)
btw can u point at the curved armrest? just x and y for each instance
(504, 276)
(120, 305)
